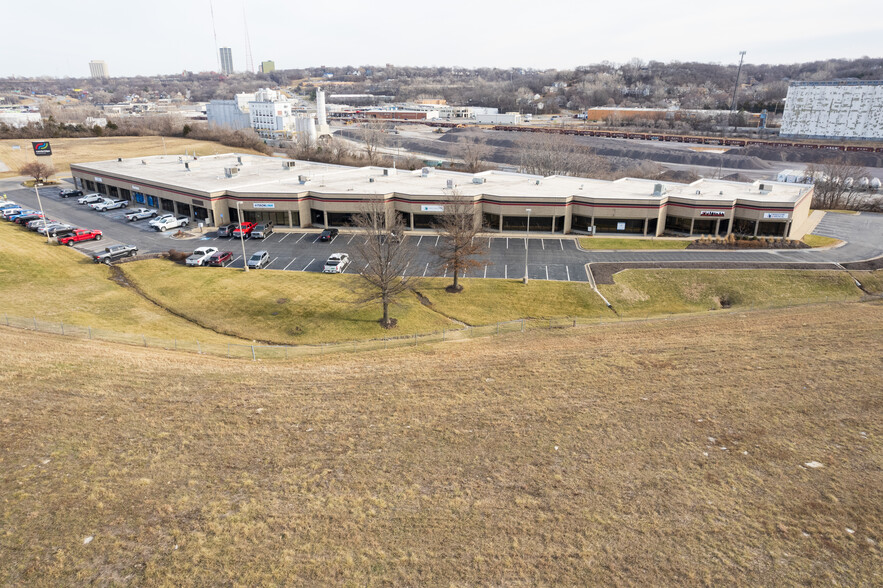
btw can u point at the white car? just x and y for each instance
(336, 264)
(90, 199)
(201, 255)
(140, 213)
(161, 219)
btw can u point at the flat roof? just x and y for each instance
(271, 175)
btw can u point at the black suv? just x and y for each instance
(69, 193)
(328, 234)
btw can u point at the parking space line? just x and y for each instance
(289, 263)
(568, 272)
(547, 272)
(543, 243)
(405, 271)
(308, 265)
(485, 271)
(283, 237)
(436, 240)
(301, 237)
(271, 263)
(506, 272)
(351, 239)
(366, 267)
(419, 240)
(446, 272)
(507, 242)
(561, 241)
(235, 260)
(426, 269)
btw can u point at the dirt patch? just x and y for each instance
(759, 243)
(423, 299)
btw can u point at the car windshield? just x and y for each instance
(332, 262)
(253, 257)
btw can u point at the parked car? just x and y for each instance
(227, 230)
(37, 223)
(258, 260)
(243, 230)
(79, 236)
(90, 198)
(24, 219)
(219, 258)
(51, 227)
(169, 222)
(61, 230)
(11, 212)
(262, 230)
(20, 213)
(140, 214)
(336, 264)
(115, 252)
(6, 204)
(70, 193)
(200, 256)
(160, 219)
(328, 234)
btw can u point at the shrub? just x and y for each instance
(177, 256)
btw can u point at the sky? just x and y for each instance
(58, 38)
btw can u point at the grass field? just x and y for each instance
(68, 151)
(56, 283)
(655, 292)
(820, 240)
(614, 243)
(666, 453)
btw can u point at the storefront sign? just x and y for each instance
(41, 148)
(99, 180)
(264, 205)
(783, 215)
(712, 213)
(136, 188)
(431, 208)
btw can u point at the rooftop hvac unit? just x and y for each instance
(370, 180)
(450, 184)
(657, 189)
(287, 164)
(231, 171)
(303, 179)
(186, 166)
(479, 180)
(762, 187)
(425, 172)
(389, 171)
(239, 159)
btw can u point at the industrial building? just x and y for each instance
(845, 109)
(271, 114)
(98, 69)
(268, 67)
(307, 194)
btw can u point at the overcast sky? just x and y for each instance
(59, 38)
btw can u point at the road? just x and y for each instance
(550, 257)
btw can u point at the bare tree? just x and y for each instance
(548, 155)
(38, 170)
(474, 154)
(374, 138)
(384, 249)
(460, 245)
(836, 184)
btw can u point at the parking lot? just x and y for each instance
(550, 258)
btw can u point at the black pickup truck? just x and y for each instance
(115, 252)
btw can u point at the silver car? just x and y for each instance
(258, 260)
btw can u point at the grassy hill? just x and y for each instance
(662, 453)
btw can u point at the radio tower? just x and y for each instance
(215, 33)
(249, 63)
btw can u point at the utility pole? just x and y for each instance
(241, 234)
(526, 241)
(736, 86)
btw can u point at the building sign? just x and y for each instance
(620, 226)
(782, 215)
(431, 208)
(99, 180)
(41, 148)
(136, 188)
(264, 205)
(712, 213)
(196, 202)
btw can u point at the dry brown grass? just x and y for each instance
(68, 151)
(660, 453)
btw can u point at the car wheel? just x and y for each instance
(70, 243)
(98, 237)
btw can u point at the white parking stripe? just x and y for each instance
(418, 240)
(547, 272)
(507, 242)
(308, 265)
(366, 267)
(289, 263)
(301, 237)
(271, 263)
(436, 240)
(568, 272)
(543, 243)
(235, 260)
(405, 271)
(351, 239)
(283, 237)
(425, 270)
(485, 271)
(562, 244)
(506, 271)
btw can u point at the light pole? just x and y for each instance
(241, 234)
(526, 241)
(40, 204)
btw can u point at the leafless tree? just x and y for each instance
(460, 246)
(374, 137)
(837, 184)
(383, 247)
(474, 154)
(547, 155)
(38, 170)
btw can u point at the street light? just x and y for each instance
(40, 203)
(526, 241)
(241, 234)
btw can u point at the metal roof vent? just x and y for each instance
(370, 180)
(478, 180)
(231, 171)
(450, 184)
(239, 159)
(657, 189)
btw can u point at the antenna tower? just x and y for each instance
(249, 62)
(215, 33)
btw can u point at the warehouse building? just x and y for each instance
(845, 109)
(307, 194)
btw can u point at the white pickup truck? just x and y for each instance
(200, 256)
(108, 204)
(168, 221)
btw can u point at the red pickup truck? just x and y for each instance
(80, 235)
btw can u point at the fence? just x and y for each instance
(285, 352)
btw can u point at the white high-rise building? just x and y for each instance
(98, 69)
(226, 61)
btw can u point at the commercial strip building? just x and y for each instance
(307, 194)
